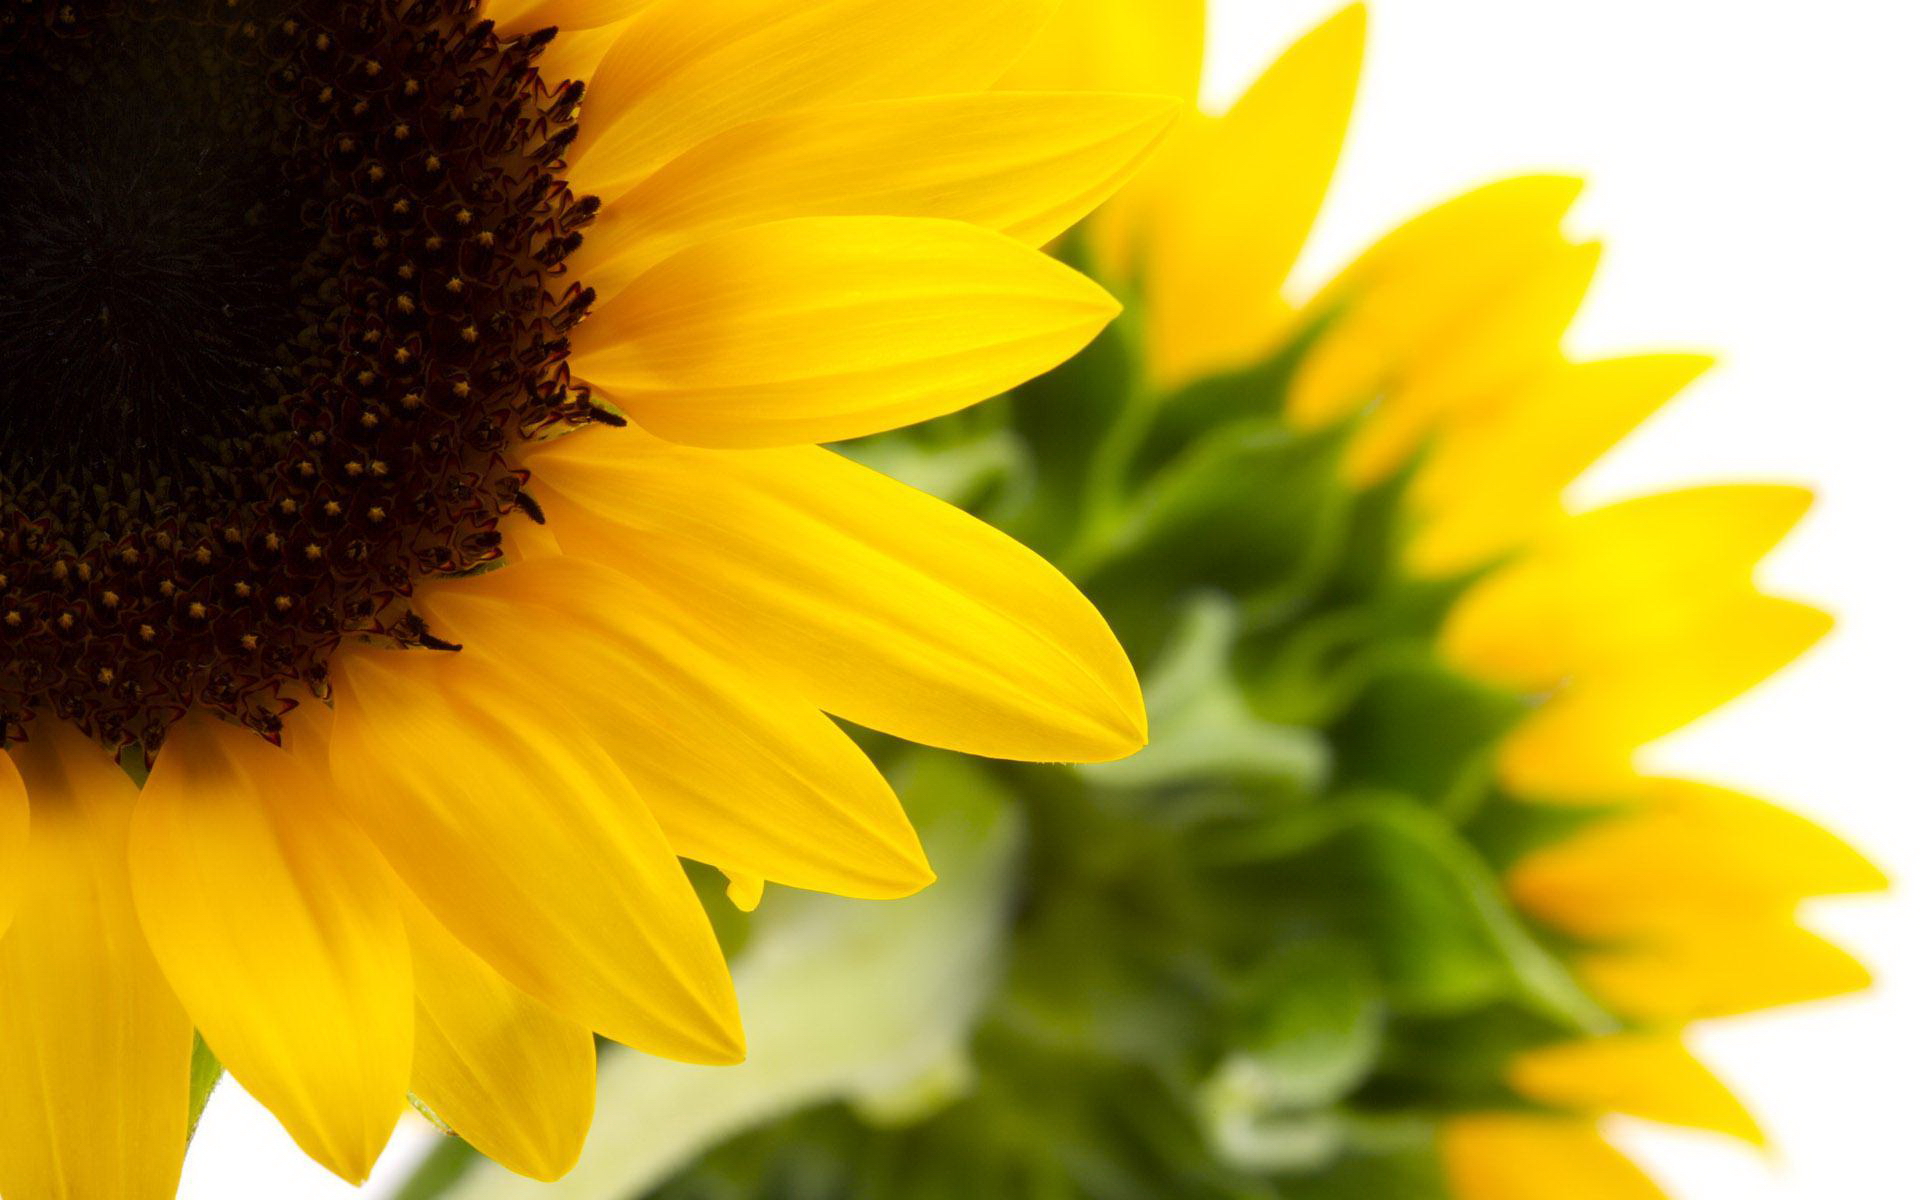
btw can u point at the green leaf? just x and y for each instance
(1277, 1142)
(1317, 1037)
(1202, 727)
(1313, 1041)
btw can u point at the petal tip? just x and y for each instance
(1351, 20)
(913, 879)
(1870, 877)
(354, 1164)
(1555, 193)
(722, 1042)
(551, 1163)
(1102, 307)
(1123, 733)
(729, 1053)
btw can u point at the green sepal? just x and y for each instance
(1458, 1063)
(1505, 829)
(430, 1116)
(1078, 424)
(202, 1077)
(1187, 415)
(1425, 730)
(1396, 874)
(1253, 511)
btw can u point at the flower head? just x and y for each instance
(409, 475)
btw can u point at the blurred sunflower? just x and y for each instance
(1387, 909)
(324, 324)
(1438, 356)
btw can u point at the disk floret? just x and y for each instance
(303, 265)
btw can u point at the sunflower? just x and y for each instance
(413, 544)
(1387, 910)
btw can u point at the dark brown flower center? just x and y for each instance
(150, 245)
(279, 284)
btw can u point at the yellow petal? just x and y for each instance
(1149, 47)
(15, 825)
(1609, 583)
(523, 541)
(274, 921)
(1118, 234)
(1421, 289)
(1523, 1157)
(1028, 166)
(827, 328)
(1638, 619)
(501, 1069)
(1644, 870)
(740, 772)
(1156, 47)
(1508, 338)
(745, 891)
(1231, 224)
(517, 18)
(688, 69)
(529, 845)
(1491, 483)
(577, 54)
(880, 603)
(1646, 1075)
(1580, 743)
(1700, 971)
(94, 1049)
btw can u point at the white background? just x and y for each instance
(1752, 169)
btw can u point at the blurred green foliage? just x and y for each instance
(1266, 956)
